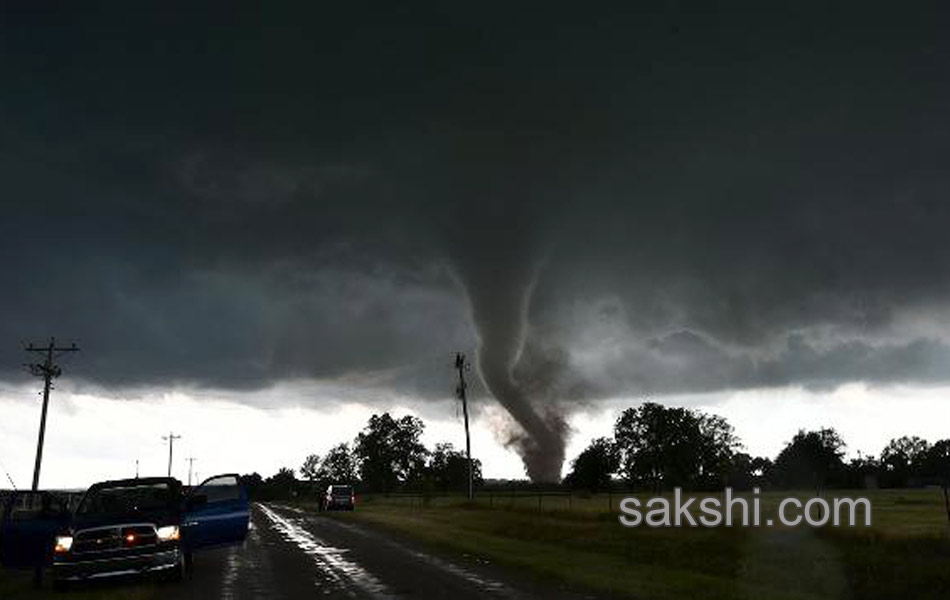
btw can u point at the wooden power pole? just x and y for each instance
(461, 366)
(191, 465)
(48, 371)
(171, 437)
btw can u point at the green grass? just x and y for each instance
(905, 554)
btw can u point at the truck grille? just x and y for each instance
(114, 538)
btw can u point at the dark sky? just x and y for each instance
(701, 199)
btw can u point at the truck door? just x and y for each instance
(28, 528)
(215, 513)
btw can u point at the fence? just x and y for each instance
(498, 499)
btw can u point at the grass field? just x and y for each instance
(578, 540)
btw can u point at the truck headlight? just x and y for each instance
(167, 534)
(63, 543)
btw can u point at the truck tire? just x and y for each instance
(181, 567)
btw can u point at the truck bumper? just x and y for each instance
(77, 570)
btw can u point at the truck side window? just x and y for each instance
(221, 489)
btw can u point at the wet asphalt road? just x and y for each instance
(293, 554)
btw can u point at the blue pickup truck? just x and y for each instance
(129, 526)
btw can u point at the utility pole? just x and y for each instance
(136, 468)
(48, 371)
(191, 462)
(171, 437)
(461, 366)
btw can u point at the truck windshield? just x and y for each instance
(121, 500)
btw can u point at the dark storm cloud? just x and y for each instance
(699, 200)
(684, 362)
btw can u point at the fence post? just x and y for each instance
(539, 502)
(610, 501)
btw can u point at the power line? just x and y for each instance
(8, 476)
(48, 371)
(171, 437)
(461, 366)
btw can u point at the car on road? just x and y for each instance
(122, 527)
(339, 497)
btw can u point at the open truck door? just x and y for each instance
(29, 523)
(215, 513)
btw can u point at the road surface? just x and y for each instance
(293, 554)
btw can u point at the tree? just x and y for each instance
(448, 469)
(339, 466)
(311, 468)
(668, 447)
(252, 483)
(761, 466)
(862, 472)
(812, 459)
(747, 472)
(389, 452)
(936, 464)
(717, 444)
(594, 466)
(902, 459)
(280, 486)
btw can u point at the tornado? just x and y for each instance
(499, 291)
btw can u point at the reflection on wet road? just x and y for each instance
(293, 554)
(340, 573)
(246, 570)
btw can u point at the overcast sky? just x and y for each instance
(259, 211)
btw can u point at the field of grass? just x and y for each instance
(578, 540)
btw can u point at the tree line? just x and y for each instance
(657, 448)
(386, 456)
(653, 447)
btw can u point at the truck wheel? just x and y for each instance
(181, 567)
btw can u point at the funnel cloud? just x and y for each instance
(499, 293)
